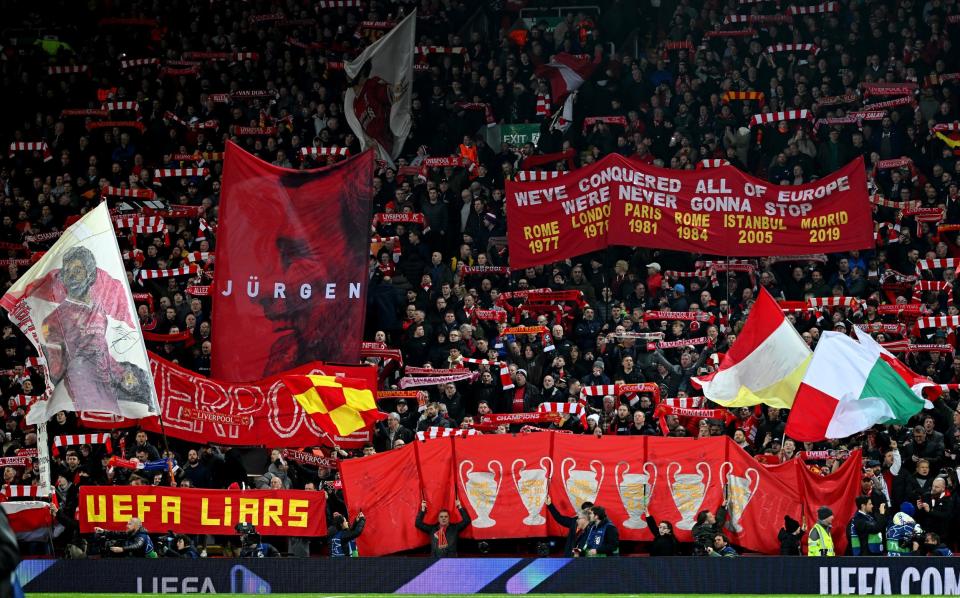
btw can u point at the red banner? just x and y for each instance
(718, 211)
(201, 511)
(503, 482)
(291, 268)
(262, 413)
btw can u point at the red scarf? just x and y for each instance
(441, 536)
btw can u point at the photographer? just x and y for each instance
(250, 544)
(134, 542)
(177, 546)
(341, 536)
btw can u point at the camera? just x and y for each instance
(102, 543)
(248, 533)
(167, 544)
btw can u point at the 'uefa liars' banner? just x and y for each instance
(200, 511)
(717, 211)
(503, 482)
(291, 279)
(262, 413)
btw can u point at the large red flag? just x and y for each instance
(386, 487)
(291, 279)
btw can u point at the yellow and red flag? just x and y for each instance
(340, 406)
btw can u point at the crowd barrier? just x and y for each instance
(687, 575)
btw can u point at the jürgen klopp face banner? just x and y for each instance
(718, 211)
(291, 279)
(201, 511)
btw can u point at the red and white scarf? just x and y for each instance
(134, 62)
(813, 10)
(169, 272)
(543, 105)
(502, 366)
(79, 439)
(110, 191)
(68, 69)
(439, 432)
(430, 50)
(20, 491)
(783, 115)
(775, 48)
(575, 409)
(31, 146)
(162, 173)
(936, 264)
(325, 151)
(938, 321)
(712, 163)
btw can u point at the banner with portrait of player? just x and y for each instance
(292, 273)
(377, 102)
(75, 307)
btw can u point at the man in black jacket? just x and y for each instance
(573, 524)
(443, 534)
(136, 540)
(865, 531)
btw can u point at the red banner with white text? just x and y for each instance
(503, 482)
(202, 511)
(262, 413)
(717, 211)
(291, 267)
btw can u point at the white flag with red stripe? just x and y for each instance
(377, 103)
(31, 520)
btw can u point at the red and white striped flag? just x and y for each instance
(30, 520)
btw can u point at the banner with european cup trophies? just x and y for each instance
(504, 480)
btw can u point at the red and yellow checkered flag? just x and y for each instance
(340, 406)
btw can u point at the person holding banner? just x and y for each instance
(576, 526)
(342, 536)
(443, 534)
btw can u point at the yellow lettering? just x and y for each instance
(297, 513)
(122, 507)
(272, 509)
(205, 518)
(97, 509)
(228, 511)
(143, 504)
(170, 509)
(249, 510)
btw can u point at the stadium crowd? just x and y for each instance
(419, 300)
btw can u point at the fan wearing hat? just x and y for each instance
(522, 397)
